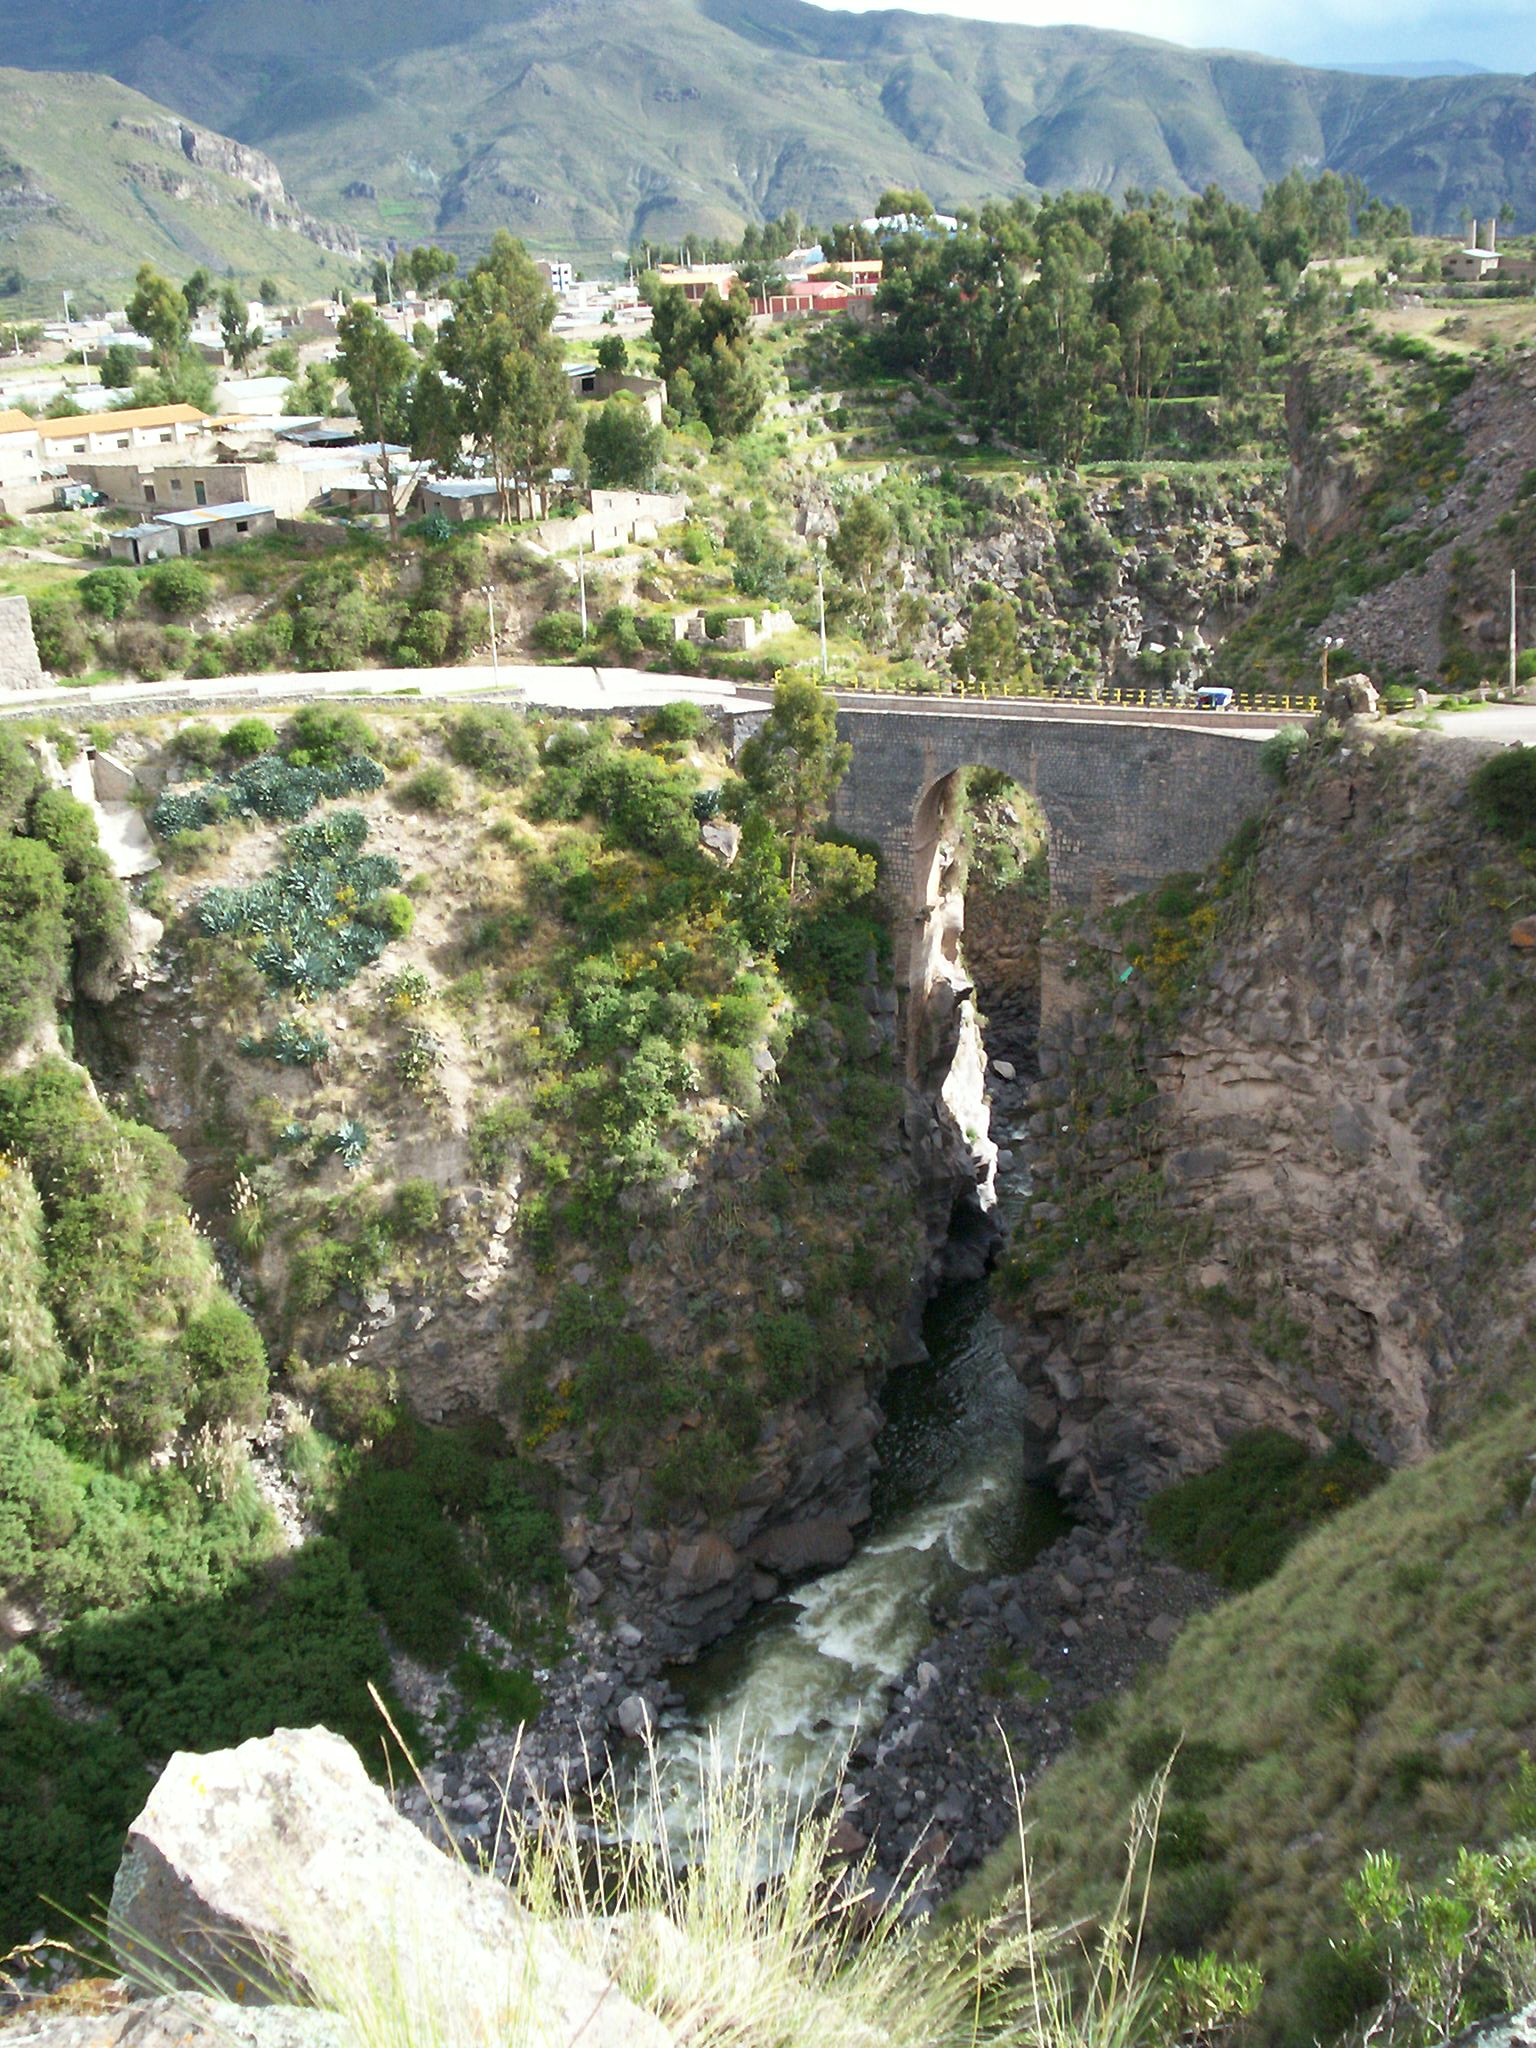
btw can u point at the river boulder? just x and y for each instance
(816, 1544)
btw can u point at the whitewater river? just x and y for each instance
(954, 1501)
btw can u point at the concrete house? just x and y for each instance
(591, 386)
(106, 433)
(147, 542)
(197, 532)
(36, 453)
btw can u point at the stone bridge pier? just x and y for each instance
(1125, 803)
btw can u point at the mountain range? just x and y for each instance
(96, 179)
(588, 125)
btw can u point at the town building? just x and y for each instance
(590, 385)
(1483, 262)
(37, 453)
(192, 533)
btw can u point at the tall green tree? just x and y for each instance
(241, 339)
(198, 292)
(377, 364)
(623, 449)
(158, 311)
(514, 400)
(430, 269)
(432, 422)
(793, 765)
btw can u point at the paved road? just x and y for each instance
(1508, 724)
(585, 690)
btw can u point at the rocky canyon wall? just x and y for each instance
(1265, 1148)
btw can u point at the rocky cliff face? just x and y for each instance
(1257, 1169)
(1409, 502)
(269, 199)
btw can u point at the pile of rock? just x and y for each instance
(1019, 1659)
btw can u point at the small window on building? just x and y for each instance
(589, 383)
(149, 494)
(200, 490)
(167, 437)
(242, 526)
(123, 441)
(79, 447)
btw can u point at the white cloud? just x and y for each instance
(1499, 35)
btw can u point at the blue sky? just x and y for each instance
(1500, 35)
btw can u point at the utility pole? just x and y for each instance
(581, 582)
(821, 615)
(490, 612)
(1514, 633)
(65, 297)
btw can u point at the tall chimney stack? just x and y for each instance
(1475, 243)
(1493, 234)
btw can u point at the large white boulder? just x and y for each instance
(279, 1872)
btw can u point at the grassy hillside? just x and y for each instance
(1376, 1692)
(589, 125)
(95, 179)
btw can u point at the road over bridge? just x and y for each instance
(1129, 794)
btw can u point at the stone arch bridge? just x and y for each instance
(1128, 797)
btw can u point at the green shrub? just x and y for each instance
(1281, 750)
(226, 1366)
(1196, 1769)
(34, 937)
(1355, 1680)
(494, 743)
(1503, 794)
(787, 1348)
(209, 657)
(199, 746)
(108, 593)
(326, 735)
(432, 789)
(1239, 1520)
(392, 913)
(493, 1135)
(1191, 1907)
(247, 738)
(417, 1207)
(558, 633)
(62, 645)
(679, 723)
(179, 588)
(1334, 1985)
(427, 633)
(20, 778)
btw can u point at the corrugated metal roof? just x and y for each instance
(205, 515)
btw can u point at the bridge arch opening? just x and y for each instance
(981, 884)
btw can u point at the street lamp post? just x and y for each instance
(1329, 645)
(490, 613)
(581, 584)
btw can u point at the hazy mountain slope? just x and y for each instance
(587, 122)
(95, 179)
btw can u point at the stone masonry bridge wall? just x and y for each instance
(1125, 803)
